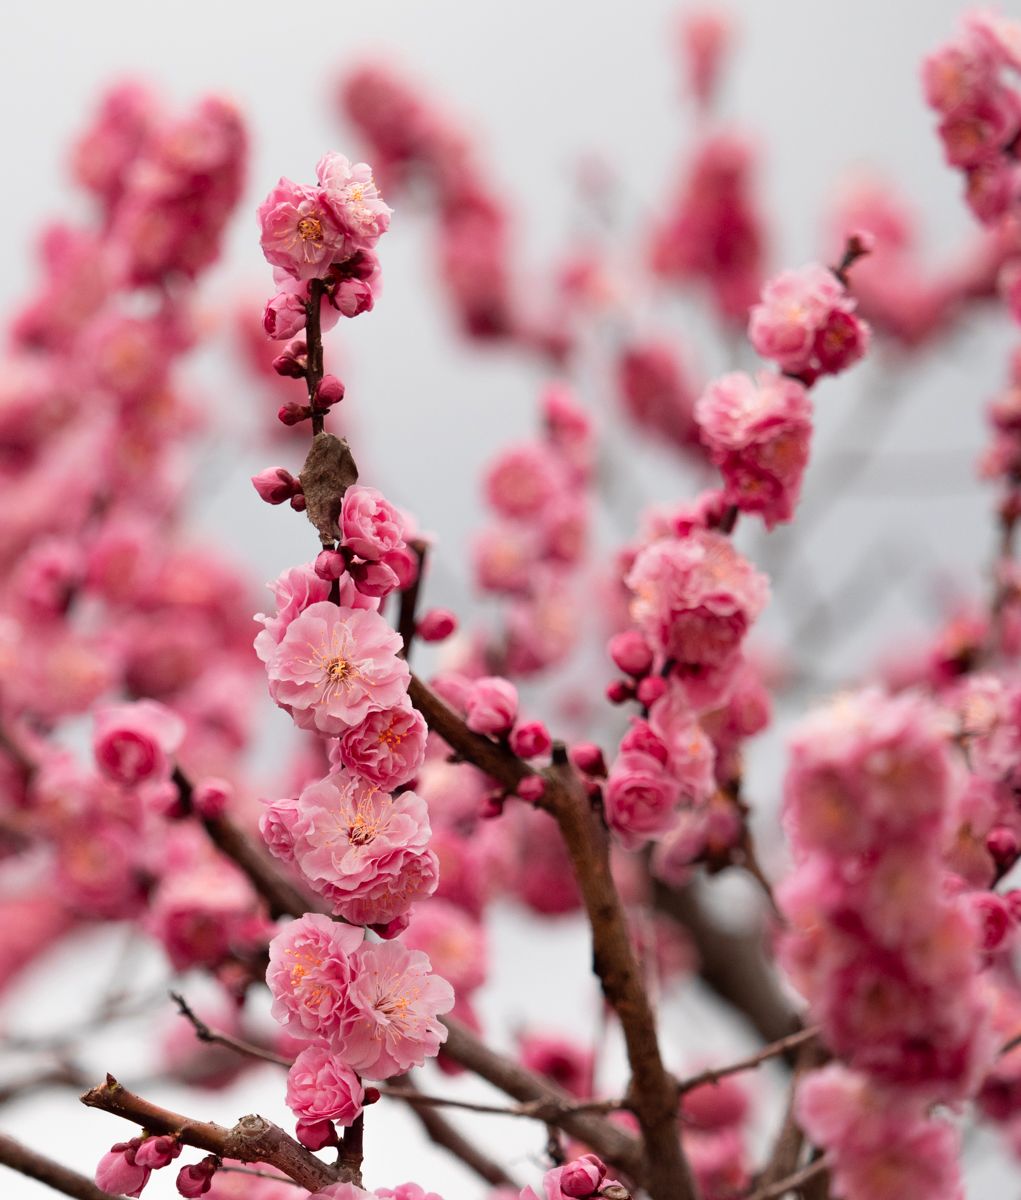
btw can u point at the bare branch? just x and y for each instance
(253, 1139)
(37, 1166)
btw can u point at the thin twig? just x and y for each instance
(792, 1182)
(55, 1175)
(782, 1046)
(205, 1034)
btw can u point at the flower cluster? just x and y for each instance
(365, 1009)
(539, 493)
(966, 82)
(886, 954)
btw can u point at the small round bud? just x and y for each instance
(620, 691)
(211, 797)
(650, 689)
(275, 485)
(436, 625)
(1002, 844)
(374, 578)
(293, 414)
(530, 739)
(314, 1135)
(330, 565)
(329, 392)
(631, 653)
(588, 759)
(532, 788)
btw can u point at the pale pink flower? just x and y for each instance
(694, 599)
(301, 231)
(794, 306)
(309, 975)
(491, 705)
(639, 797)
(387, 748)
(370, 526)
(523, 480)
(354, 197)
(135, 742)
(321, 1087)
(342, 1191)
(364, 850)
(335, 665)
(397, 999)
(757, 432)
(454, 943)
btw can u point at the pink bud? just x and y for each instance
(314, 1135)
(330, 564)
(293, 414)
(1012, 899)
(530, 740)
(532, 788)
(374, 578)
(211, 797)
(284, 316)
(436, 625)
(118, 1172)
(132, 742)
(197, 1179)
(1002, 844)
(372, 1096)
(640, 737)
(391, 929)
(588, 759)
(293, 363)
(403, 561)
(298, 502)
(650, 689)
(581, 1177)
(631, 653)
(620, 691)
(156, 1152)
(329, 392)
(994, 919)
(491, 706)
(275, 485)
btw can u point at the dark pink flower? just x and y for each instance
(134, 742)
(370, 526)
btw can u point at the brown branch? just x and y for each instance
(37, 1166)
(783, 1046)
(206, 1034)
(444, 1135)
(253, 1139)
(792, 1183)
(609, 1141)
(409, 601)
(547, 1111)
(314, 350)
(668, 1176)
(790, 1139)
(281, 896)
(731, 963)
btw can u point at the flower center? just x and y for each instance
(390, 737)
(310, 229)
(338, 669)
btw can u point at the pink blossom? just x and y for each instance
(639, 797)
(397, 1001)
(118, 1173)
(156, 1152)
(301, 230)
(436, 625)
(530, 739)
(277, 825)
(453, 942)
(335, 665)
(284, 316)
(522, 481)
(309, 975)
(134, 742)
(794, 307)
(354, 197)
(694, 599)
(757, 433)
(370, 526)
(197, 1178)
(364, 850)
(294, 590)
(406, 1191)
(879, 1147)
(387, 748)
(343, 1191)
(568, 1064)
(491, 705)
(321, 1087)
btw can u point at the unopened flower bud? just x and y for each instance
(374, 578)
(532, 788)
(197, 1179)
(293, 414)
(329, 392)
(330, 564)
(530, 739)
(275, 485)
(588, 758)
(620, 691)
(211, 797)
(436, 625)
(314, 1135)
(491, 706)
(298, 502)
(650, 689)
(156, 1152)
(631, 653)
(293, 363)
(582, 1177)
